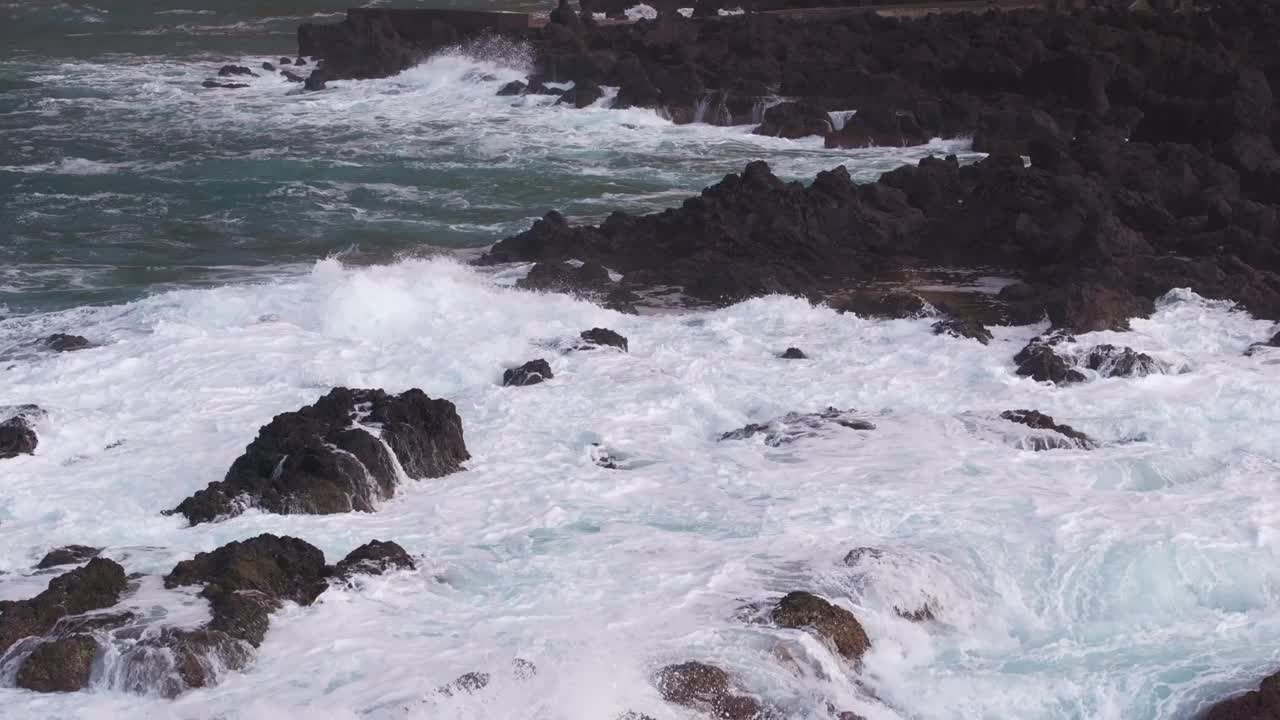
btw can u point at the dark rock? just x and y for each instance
(246, 581)
(603, 337)
(61, 342)
(1039, 361)
(565, 277)
(300, 62)
(834, 624)
(317, 460)
(224, 86)
(623, 301)
(1090, 307)
(522, 669)
(268, 67)
(893, 304)
(95, 586)
(793, 354)
(961, 328)
(316, 81)
(1110, 361)
(1006, 132)
(530, 373)
(705, 688)
(184, 659)
(879, 126)
(68, 555)
(17, 437)
(1070, 437)
(924, 613)
(794, 426)
(230, 70)
(515, 87)
(1260, 704)
(469, 683)
(795, 120)
(285, 61)
(59, 665)
(582, 94)
(374, 558)
(292, 76)
(1253, 349)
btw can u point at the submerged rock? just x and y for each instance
(374, 558)
(467, 683)
(337, 455)
(68, 555)
(705, 688)
(792, 353)
(603, 337)
(1110, 361)
(794, 426)
(1042, 361)
(292, 76)
(515, 87)
(892, 304)
(834, 624)
(225, 86)
(268, 67)
(59, 665)
(230, 70)
(566, 277)
(1065, 436)
(1254, 348)
(530, 373)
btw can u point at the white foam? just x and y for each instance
(1134, 581)
(641, 12)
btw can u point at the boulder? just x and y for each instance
(879, 126)
(705, 688)
(962, 328)
(792, 353)
(603, 337)
(515, 87)
(794, 120)
(59, 665)
(835, 625)
(285, 61)
(530, 373)
(336, 456)
(268, 67)
(211, 84)
(17, 437)
(374, 558)
(566, 277)
(61, 342)
(68, 555)
(582, 94)
(292, 76)
(1065, 435)
(232, 70)
(1039, 361)
(1110, 361)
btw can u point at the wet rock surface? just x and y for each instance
(62, 342)
(834, 624)
(1063, 436)
(17, 437)
(337, 456)
(95, 586)
(794, 426)
(59, 665)
(603, 337)
(374, 558)
(68, 555)
(705, 688)
(1260, 704)
(792, 353)
(530, 373)
(956, 327)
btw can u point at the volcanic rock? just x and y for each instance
(794, 120)
(230, 70)
(834, 624)
(95, 586)
(603, 337)
(1260, 704)
(59, 665)
(1039, 361)
(705, 688)
(530, 373)
(794, 426)
(1066, 436)
(374, 558)
(61, 342)
(17, 437)
(68, 555)
(962, 328)
(792, 353)
(336, 456)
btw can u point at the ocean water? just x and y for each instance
(237, 254)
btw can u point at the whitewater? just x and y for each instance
(1134, 581)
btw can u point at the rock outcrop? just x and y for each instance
(835, 625)
(530, 373)
(338, 455)
(374, 558)
(68, 555)
(706, 688)
(1260, 704)
(602, 337)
